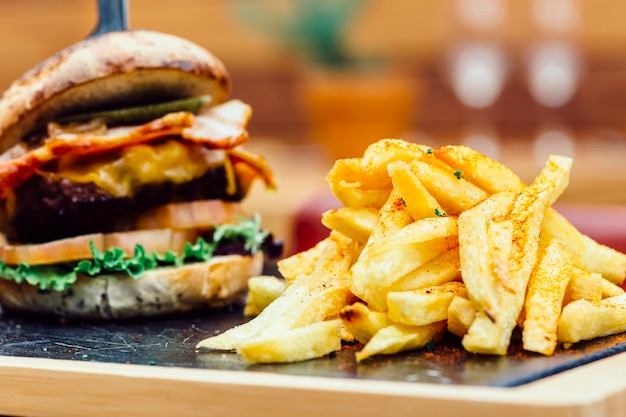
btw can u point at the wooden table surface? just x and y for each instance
(44, 387)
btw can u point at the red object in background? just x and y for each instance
(309, 229)
(605, 224)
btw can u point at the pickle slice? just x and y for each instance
(140, 114)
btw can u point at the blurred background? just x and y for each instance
(515, 79)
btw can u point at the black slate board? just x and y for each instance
(171, 341)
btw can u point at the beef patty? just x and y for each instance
(48, 209)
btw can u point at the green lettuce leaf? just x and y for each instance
(249, 230)
(61, 276)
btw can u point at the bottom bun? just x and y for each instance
(161, 291)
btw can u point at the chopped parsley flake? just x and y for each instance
(429, 151)
(440, 213)
(458, 174)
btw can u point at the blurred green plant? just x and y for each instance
(314, 29)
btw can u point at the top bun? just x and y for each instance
(112, 70)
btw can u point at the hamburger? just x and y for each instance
(122, 172)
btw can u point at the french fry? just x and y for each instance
(595, 257)
(585, 320)
(262, 290)
(486, 173)
(423, 306)
(365, 182)
(388, 264)
(369, 176)
(483, 336)
(303, 343)
(399, 338)
(407, 250)
(345, 334)
(308, 299)
(393, 217)
(424, 230)
(379, 271)
(443, 268)
(500, 237)
(357, 223)
(352, 195)
(461, 315)
(527, 216)
(477, 263)
(362, 322)
(609, 289)
(355, 186)
(380, 154)
(302, 263)
(584, 286)
(420, 203)
(604, 260)
(453, 192)
(493, 337)
(544, 299)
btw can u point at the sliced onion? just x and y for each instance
(63, 250)
(77, 248)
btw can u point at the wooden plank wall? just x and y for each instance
(414, 33)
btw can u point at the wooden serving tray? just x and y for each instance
(151, 369)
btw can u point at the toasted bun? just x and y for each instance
(157, 292)
(112, 70)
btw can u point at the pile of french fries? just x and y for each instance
(430, 241)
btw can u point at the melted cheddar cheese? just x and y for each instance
(122, 172)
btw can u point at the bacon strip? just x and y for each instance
(253, 163)
(82, 144)
(220, 127)
(14, 172)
